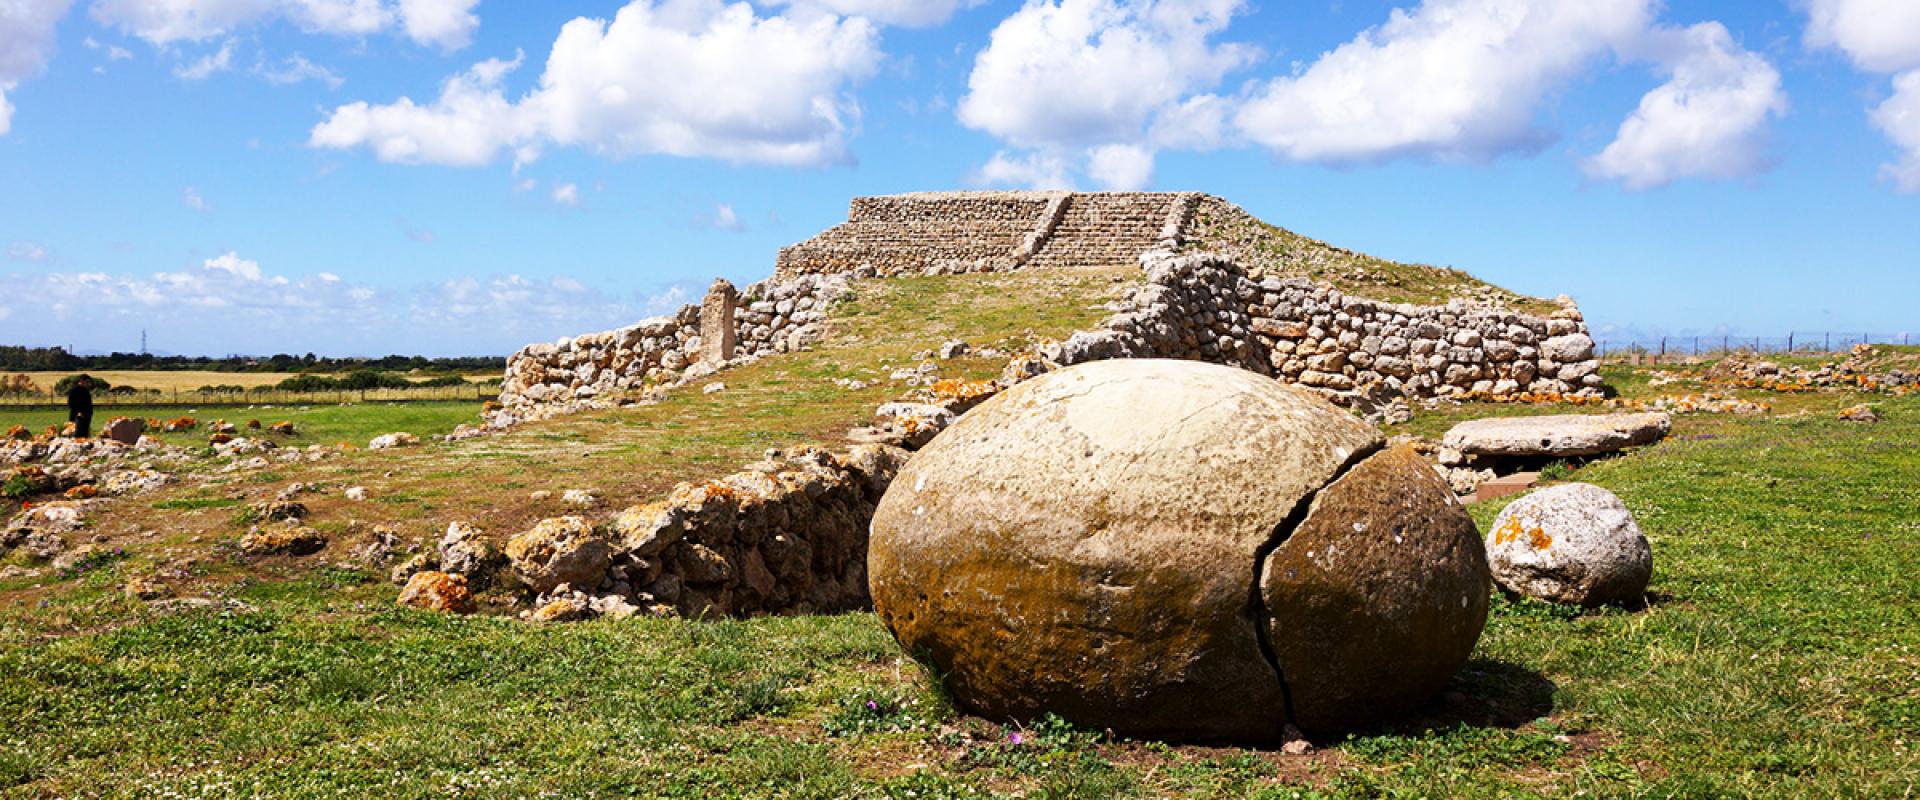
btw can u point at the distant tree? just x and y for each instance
(61, 387)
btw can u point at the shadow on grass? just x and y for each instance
(1486, 693)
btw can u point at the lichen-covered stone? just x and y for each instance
(560, 550)
(1575, 544)
(282, 540)
(1088, 543)
(1379, 594)
(438, 591)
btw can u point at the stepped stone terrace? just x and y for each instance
(955, 232)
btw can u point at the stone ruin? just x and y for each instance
(1198, 306)
(1362, 353)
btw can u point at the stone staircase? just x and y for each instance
(1105, 229)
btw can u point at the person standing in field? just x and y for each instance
(80, 407)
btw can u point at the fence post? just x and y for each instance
(1829, 342)
(1789, 341)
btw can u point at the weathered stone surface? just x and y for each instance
(1557, 436)
(560, 550)
(1087, 544)
(465, 551)
(717, 337)
(1378, 596)
(1575, 544)
(125, 430)
(438, 591)
(282, 540)
(911, 425)
(393, 440)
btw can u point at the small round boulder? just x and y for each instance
(1575, 544)
(1179, 550)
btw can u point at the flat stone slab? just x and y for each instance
(1557, 436)
(1505, 485)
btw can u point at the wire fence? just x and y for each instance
(1725, 344)
(263, 397)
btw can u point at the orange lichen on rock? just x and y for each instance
(181, 424)
(438, 591)
(85, 491)
(1512, 531)
(283, 428)
(220, 438)
(19, 433)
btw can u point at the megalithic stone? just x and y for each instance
(717, 336)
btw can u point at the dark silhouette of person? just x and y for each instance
(80, 407)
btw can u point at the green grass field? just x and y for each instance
(1779, 656)
(314, 424)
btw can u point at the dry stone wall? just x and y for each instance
(1205, 307)
(922, 233)
(600, 369)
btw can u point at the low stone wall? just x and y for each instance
(599, 369)
(787, 535)
(1205, 307)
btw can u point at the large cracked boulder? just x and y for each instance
(1172, 548)
(1575, 544)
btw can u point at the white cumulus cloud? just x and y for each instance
(1708, 120)
(692, 78)
(1883, 37)
(447, 24)
(233, 264)
(1899, 118)
(26, 42)
(1077, 81)
(1452, 79)
(194, 201)
(904, 13)
(566, 194)
(1878, 35)
(726, 219)
(1029, 170)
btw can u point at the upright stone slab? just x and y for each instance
(716, 322)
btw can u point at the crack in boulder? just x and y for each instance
(1256, 597)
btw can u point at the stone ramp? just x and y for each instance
(1106, 229)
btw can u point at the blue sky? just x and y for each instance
(463, 177)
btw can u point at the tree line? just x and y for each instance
(57, 359)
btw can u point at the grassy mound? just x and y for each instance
(1264, 249)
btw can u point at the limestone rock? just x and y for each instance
(560, 550)
(1557, 436)
(1088, 542)
(393, 440)
(1378, 595)
(278, 540)
(465, 551)
(1575, 544)
(911, 425)
(124, 430)
(1573, 347)
(438, 591)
